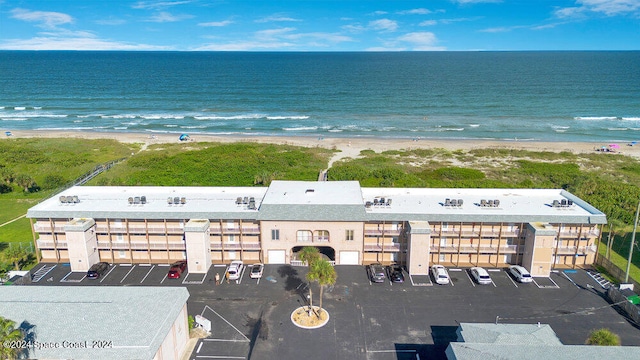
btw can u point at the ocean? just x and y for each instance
(537, 96)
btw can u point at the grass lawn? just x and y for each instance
(621, 260)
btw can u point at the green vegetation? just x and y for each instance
(9, 332)
(603, 337)
(207, 164)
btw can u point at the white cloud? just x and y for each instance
(216, 23)
(164, 16)
(158, 4)
(420, 11)
(277, 18)
(45, 19)
(244, 46)
(74, 43)
(383, 25)
(378, 13)
(270, 34)
(606, 7)
(428, 23)
(421, 41)
(356, 28)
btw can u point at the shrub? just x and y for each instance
(603, 337)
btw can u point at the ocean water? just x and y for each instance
(546, 96)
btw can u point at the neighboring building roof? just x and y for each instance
(135, 319)
(525, 342)
(510, 334)
(320, 201)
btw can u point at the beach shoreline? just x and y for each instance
(348, 147)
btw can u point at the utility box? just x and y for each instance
(631, 296)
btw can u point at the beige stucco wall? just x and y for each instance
(82, 249)
(288, 236)
(175, 342)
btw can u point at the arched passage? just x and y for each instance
(327, 251)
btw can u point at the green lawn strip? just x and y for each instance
(11, 208)
(16, 232)
(621, 262)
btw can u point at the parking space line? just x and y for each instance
(514, 283)
(39, 275)
(494, 284)
(130, 270)
(66, 276)
(470, 280)
(220, 357)
(199, 347)
(164, 278)
(112, 268)
(148, 272)
(225, 320)
(568, 278)
(554, 283)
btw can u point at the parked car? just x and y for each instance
(97, 270)
(376, 273)
(395, 273)
(177, 269)
(235, 269)
(256, 271)
(440, 274)
(480, 275)
(520, 274)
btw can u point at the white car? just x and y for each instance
(480, 275)
(440, 274)
(256, 271)
(520, 274)
(235, 269)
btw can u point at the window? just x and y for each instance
(275, 234)
(348, 235)
(303, 235)
(321, 235)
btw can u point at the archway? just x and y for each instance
(328, 253)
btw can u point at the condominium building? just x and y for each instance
(537, 228)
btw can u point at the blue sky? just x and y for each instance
(333, 25)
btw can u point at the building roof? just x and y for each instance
(485, 341)
(135, 319)
(101, 202)
(515, 205)
(309, 201)
(320, 201)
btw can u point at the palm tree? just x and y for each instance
(8, 332)
(16, 255)
(324, 274)
(26, 182)
(310, 255)
(603, 337)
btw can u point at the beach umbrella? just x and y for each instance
(184, 137)
(614, 146)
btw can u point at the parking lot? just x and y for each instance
(251, 318)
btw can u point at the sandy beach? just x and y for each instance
(349, 147)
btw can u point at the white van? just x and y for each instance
(520, 274)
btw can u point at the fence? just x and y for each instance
(616, 272)
(620, 301)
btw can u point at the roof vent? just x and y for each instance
(183, 200)
(63, 199)
(143, 199)
(136, 200)
(130, 200)
(169, 200)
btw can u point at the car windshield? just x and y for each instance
(526, 275)
(484, 276)
(255, 269)
(442, 276)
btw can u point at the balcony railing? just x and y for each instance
(50, 244)
(379, 247)
(374, 232)
(503, 249)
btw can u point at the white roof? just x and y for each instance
(320, 201)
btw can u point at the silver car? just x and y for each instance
(480, 275)
(520, 274)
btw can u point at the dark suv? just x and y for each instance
(97, 270)
(376, 273)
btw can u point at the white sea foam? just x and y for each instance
(595, 118)
(162, 116)
(561, 127)
(618, 129)
(15, 119)
(77, 121)
(20, 108)
(120, 128)
(171, 125)
(194, 127)
(300, 117)
(631, 118)
(37, 107)
(123, 116)
(301, 128)
(474, 125)
(73, 128)
(233, 117)
(335, 130)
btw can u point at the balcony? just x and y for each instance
(50, 244)
(391, 247)
(379, 232)
(574, 234)
(484, 249)
(565, 250)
